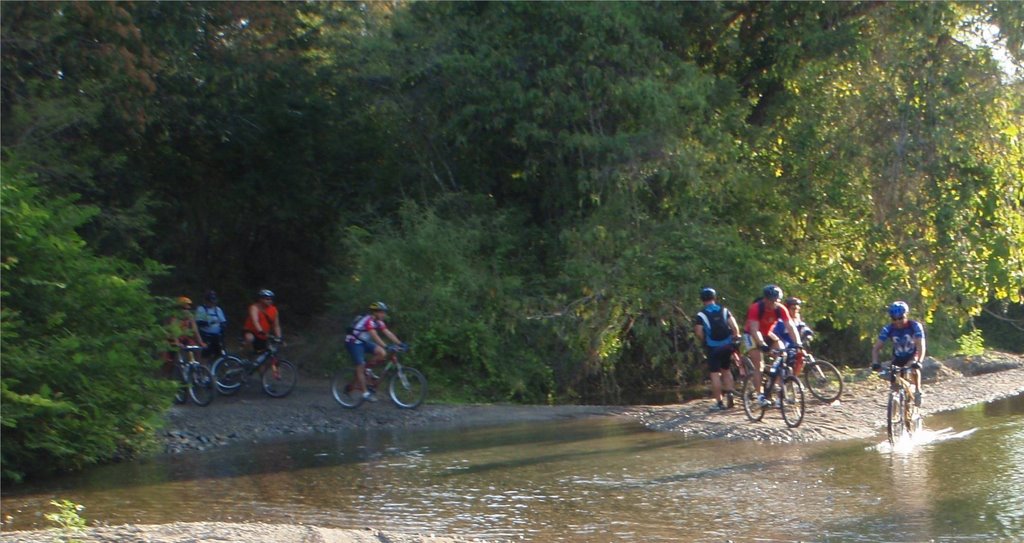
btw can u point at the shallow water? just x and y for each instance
(583, 480)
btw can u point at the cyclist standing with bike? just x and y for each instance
(908, 344)
(758, 338)
(212, 322)
(716, 331)
(183, 331)
(262, 319)
(781, 330)
(363, 338)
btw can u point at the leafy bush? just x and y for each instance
(78, 334)
(454, 296)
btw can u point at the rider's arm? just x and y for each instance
(376, 338)
(874, 352)
(753, 326)
(254, 316)
(391, 335)
(277, 325)
(794, 333)
(919, 343)
(735, 327)
(698, 330)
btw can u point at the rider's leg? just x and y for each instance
(716, 386)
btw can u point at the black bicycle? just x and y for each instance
(902, 416)
(407, 387)
(789, 397)
(277, 375)
(196, 380)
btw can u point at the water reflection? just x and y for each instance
(594, 480)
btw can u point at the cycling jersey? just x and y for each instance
(360, 331)
(903, 346)
(766, 316)
(267, 317)
(781, 331)
(211, 320)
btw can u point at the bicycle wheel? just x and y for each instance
(343, 390)
(279, 381)
(228, 373)
(408, 388)
(751, 406)
(823, 380)
(791, 400)
(180, 395)
(202, 385)
(895, 425)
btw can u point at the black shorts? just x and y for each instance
(719, 358)
(214, 342)
(901, 361)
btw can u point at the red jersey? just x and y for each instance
(267, 316)
(767, 317)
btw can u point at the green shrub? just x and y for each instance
(78, 333)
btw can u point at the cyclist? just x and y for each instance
(758, 337)
(781, 331)
(212, 322)
(183, 331)
(263, 318)
(717, 331)
(908, 345)
(364, 338)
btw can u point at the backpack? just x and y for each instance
(716, 325)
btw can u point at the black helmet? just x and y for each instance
(772, 292)
(793, 300)
(707, 293)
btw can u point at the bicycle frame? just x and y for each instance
(901, 390)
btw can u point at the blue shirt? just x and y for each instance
(903, 345)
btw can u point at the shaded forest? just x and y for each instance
(539, 190)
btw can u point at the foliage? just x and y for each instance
(68, 518)
(79, 332)
(972, 343)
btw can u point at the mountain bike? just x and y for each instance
(407, 387)
(196, 379)
(790, 396)
(902, 417)
(277, 375)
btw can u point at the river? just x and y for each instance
(596, 479)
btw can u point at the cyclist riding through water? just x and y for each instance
(364, 339)
(758, 337)
(908, 344)
(717, 331)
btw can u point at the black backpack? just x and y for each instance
(716, 323)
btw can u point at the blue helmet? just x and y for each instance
(707, 293)
(772, 292)
(898, 310)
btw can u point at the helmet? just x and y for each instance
(379, 306)
(210, 296)
(265, 293)
(707, 293)
(185, 301)
(898, 310)
(772, 292)
(793, 300)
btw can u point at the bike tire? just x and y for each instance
(823, 380)
(751, 406)
(181, 394)
(202, 386)
(895, 425)
(343, 391)
(408, 388)
(791, 401)
(229, 373)
(280, 383)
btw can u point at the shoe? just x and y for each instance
(765, 402)
(917, 399)
(718, 406)
(728, 400)
(369, 396)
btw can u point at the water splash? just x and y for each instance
(924, 436)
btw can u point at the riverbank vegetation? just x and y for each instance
(538, 189)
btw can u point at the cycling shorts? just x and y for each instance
(719, 358)
(359, 350)
(901, 361)
(748, 343)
